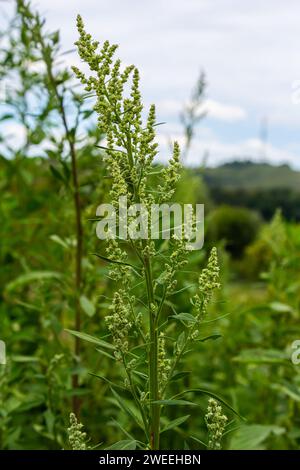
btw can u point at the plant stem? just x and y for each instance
(76, 403)
(153, 362)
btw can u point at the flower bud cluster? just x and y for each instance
(119, 323)
(177, 261)
(170, 175)
(77, 438)
(216, 422)
(164, 364)
(208, 282)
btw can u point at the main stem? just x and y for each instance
(78, 276)
(153, 362)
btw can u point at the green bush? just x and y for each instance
(236, 227)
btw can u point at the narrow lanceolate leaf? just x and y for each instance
(136, 269)
(198, 440)
(211, 337)
(109, 150)
(178, 376)
(107, 381)
(262, 356)
(90, 339)
(250, 437)
(181, 341)
(175, 423)
(210, 394)
(104, 353)
(125, 407)
(31, 276)
(87, 306)
(126, 444)
(57, 239)
(174, 402)
(57, 174)
(184, 317)
(280, 307)
(290, 390)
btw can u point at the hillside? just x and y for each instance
(251, 176)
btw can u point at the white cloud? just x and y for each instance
(213, 108)
(224, 112)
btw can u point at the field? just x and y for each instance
(128, 343)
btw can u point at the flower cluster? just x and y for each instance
(216, 422)
(119, 323)
(77, 438)
(208, 282)
(171, 175)
(118, 272)
(164, 364)
(177, 261)
(130, 145)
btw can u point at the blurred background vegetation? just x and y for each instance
(252, 216)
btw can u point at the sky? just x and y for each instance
(250, 52)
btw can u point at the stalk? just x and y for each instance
(153, 362)
(76, 403)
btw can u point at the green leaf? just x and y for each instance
(126, 444)
(249, 437)
(110, 356)
(262, 356)
(110, 150)
(288, 389)
(30, 404)
(175, 423)
(181, 341)
(174, 402)
(91, 339)
(7, 116)
(59, 241)
(57, 174)
(184, 317)
(178, 376)
(107, 381)
(19, 358)
(198, 440)
(31, 276)
(211, 337)
(113, 261)
(280, 308)
(122, 404)
(210, 394)
(87, 306)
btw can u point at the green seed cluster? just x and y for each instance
(131, 145)
(171, 174)
(208, 282)
(177, 261)
(77, 438)
(119, 323)
(216, 422)
(164, 364)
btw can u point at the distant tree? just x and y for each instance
(237, 227)
(193, 113)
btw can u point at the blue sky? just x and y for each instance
(250, 52)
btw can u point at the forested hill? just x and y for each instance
(258, 186)
(249, 176)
